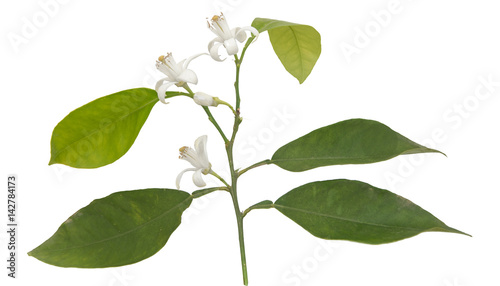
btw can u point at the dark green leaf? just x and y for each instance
(356, 211)
(120, 229)
(297, 46)
(354, 141)
(103, 130)
(267, 204)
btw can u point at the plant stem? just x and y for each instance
(234, 196)
(229, 150)
(261, 163)
(234, 173)
(202, 192)
(219, 101)
(220, 178)
(262, 205)
(210, 116)
(241, 238)
(214, 122)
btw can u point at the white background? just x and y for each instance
(417, 72)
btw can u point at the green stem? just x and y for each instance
(219, 101)
(262, 205)
(210, 116)
(220, 178)
(238, 62)
(188, 89)
(234, 173)
(261, 163)
(202, 192)
(229, 150)
(238, 213)
(214, 122)
(174, 94)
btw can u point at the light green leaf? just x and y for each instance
(120, 229)
(353, 141)
(103, 130)
(297, 46)
(264, 24)
(356, 211)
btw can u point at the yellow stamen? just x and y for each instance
(215, 19)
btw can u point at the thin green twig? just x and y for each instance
(261, 163)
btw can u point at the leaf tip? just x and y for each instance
(453, 230)
(437, 151)
(461, 232)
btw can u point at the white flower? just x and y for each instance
(204, 99)
(198, 157)
(226, 36)
(177, 73)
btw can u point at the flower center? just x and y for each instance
(219, 26)
(166, 60)
(183, 152)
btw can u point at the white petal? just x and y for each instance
(179, 177)
(188, 60)
(166, 70)
(249, 29)
(241, 37)
(161, 81)
(219, 26)
(162, 89)
(189, 154)
(198, 179)
(200, 145)
(231, 46)
(214, 52)
(224, 26)
(188, 76)
(178, 68)
(214, 41)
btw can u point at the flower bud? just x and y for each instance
(204, 99)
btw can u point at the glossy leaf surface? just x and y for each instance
(120, 229)
(354, 141)
(103, 130)
(356, 211)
